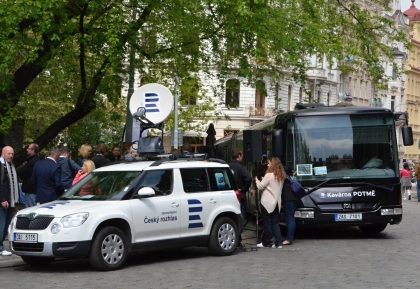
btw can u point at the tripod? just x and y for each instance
(256, 214)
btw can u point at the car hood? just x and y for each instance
(64, 208)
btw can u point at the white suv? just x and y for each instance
(131, 207)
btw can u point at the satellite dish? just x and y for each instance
(156, 99)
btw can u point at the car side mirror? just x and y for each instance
(146, 192)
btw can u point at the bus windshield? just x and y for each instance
(341, 146)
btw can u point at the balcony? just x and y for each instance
(262, 111)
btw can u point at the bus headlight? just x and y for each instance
(396, 211)
(304, 214)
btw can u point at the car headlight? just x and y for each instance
(74, 220)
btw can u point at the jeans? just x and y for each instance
(271, 226)
(289, 210)
(418, 190)
(30, 200)
(5, 219)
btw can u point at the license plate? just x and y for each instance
(348, 217)
(25, 238)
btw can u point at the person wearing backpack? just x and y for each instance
(69, 168)
(289, 201)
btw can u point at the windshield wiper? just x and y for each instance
(317, 187)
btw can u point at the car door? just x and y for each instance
(199, 203)
(157, 217)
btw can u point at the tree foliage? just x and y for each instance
(60, 58)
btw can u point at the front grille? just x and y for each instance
(28, 247)
(39, 223)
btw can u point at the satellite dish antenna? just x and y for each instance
(156, 99)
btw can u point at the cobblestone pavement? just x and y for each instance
(319, 258)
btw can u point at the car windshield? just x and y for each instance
(102, 186)
(344, 146)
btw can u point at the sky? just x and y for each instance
(405, 4)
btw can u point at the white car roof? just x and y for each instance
(146, 165)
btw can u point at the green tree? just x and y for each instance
(63, 56)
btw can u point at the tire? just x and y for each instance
(224, 237)
(37, 261)
(373, 229)
(109, 249)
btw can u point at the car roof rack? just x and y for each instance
(186, 157)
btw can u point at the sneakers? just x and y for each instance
(260, 245)
(5, 253)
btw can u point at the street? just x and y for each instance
(319, 258)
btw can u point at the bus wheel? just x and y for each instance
(373, 229)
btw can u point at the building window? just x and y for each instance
(392, 102)
(328, 98)
(232, 92)
(189, 91)
(319, 96)
(260, 95)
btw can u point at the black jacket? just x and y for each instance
(24, 172)
(242, 177)
(99, 161)
(5, 187)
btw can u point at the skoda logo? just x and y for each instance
(32, 216)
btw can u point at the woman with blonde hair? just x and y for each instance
(84, 151)
(271, 186)
(88, 167)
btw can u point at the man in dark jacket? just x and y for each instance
(25, 172)
(46, 176)
(69, 168)
(243, 179)
(99, 159)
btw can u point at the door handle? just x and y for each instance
(212, 201)
(174, 205)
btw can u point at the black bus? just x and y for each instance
(345, 156)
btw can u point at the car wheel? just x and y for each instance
(223, 237)
(37, 261)
(373, 229)
(109, 249)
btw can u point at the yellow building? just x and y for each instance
(412, 100)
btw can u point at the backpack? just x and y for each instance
(296, 188)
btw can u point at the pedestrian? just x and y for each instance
(271, 186)
(289, 201)
(25, 173)
(243, 180)
(69, 168)
(9, 194)
(405, 174)
(186, 148)
(87, 168)
(99, 159)
(417, 173)
(46, 176)
(84, 151)
(115, 154)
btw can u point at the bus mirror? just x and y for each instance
(407, 134)
(277, 142)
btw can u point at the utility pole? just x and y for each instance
(129, 117)
(175, 140)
